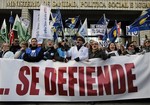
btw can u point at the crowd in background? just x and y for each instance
(64, 51)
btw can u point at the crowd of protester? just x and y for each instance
(64, 51)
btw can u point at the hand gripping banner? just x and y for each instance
(117, 78)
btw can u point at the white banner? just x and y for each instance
(36, 26)
(117, 78)
(98, 29)
(45, 30)
(25, 23)
(134, 33)
(83, 30)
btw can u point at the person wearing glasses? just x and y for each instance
(78, 52)
(96, 51)
(130, 49)
(146, 46)
(15, 46)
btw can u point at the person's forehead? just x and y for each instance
(49, 42)
(131, 44)
(6, 45)
(95, 43)
(79, 38)
(33, 40)
(16, 40)
(112, 44)
(23, 45)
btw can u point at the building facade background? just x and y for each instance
(125, 11)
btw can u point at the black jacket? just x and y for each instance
(50, 53)
(98, 54)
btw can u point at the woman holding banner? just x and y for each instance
(96, 51)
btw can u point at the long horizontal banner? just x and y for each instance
(117, 78)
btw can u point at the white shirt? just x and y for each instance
(114, 53)
(8, 54)
(82, 53)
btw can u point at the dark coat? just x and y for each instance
(50, 53)
(14, 48)
(98, 54)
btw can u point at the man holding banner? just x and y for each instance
(34, 53)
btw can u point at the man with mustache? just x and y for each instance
(78, 52)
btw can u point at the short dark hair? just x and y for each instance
(16, 40)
